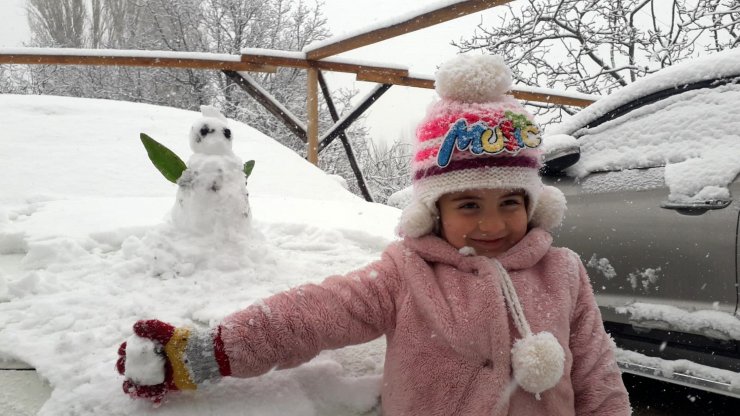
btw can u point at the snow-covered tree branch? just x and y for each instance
(595, 47)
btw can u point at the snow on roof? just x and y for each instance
(123, 53)
(364, 62)
(562, 93)
(718, 65)
(276, 53)
(302, 56)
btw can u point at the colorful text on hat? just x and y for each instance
(511, 135)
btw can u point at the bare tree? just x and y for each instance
(12, 80)
(387, 168)
(124, 24)
(721, 18)
(223, 26)
(58, 22)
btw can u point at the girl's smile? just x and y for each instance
(490, 221)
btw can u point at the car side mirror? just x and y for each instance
(560, 152)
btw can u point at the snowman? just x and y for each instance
(212, 192)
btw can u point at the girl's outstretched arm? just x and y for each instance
(292, 327)
(281, 331)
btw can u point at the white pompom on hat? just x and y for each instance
(476, 136)
(473, 79)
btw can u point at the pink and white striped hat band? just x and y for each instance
(476, 136)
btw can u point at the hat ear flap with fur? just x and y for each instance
(550, 209)
(416, 220)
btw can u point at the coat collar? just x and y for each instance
(525, 254)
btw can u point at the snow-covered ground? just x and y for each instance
(86, 249)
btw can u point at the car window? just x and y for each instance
(625, 180)
(695, 135)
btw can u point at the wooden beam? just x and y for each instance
(381, 78)
(356, 112)
(270, 103)
(551, 97)
(333, 66)
(421, 21)
(255, 62)
(345, 141)
(142, 61)
(312, 109)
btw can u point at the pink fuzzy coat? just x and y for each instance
(448, 330)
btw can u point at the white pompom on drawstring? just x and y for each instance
(473, 78)
(416, 220)
(537, 361)
(550, 209)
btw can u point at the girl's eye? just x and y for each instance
(468, 205)
(511, 202)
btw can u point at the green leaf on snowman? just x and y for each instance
(164, 159)
(248, 166)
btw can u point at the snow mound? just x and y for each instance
(87, 249)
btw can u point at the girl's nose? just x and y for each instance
(491, 223)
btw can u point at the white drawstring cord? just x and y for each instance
(537, 360)
(513, 301)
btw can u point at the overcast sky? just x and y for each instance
(14, 29)
(396, 113)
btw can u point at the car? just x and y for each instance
(650, 174)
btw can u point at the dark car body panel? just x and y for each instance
(662, 269)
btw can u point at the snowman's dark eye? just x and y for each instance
(204, 130)
(227, 133)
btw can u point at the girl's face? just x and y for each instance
(489, 220)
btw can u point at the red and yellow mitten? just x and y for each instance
(169, 359)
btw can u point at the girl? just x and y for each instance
(481, 315)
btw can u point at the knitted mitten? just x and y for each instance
(166, 358)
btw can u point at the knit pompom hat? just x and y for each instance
(476, 136)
